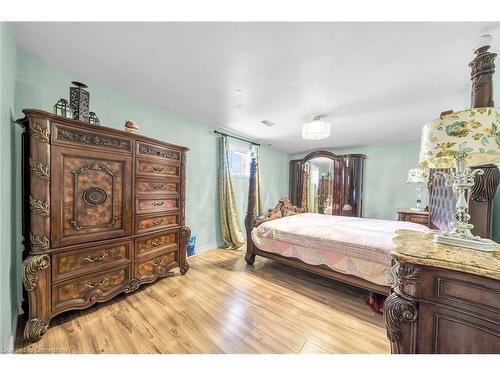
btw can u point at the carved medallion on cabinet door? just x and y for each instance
(92, 200)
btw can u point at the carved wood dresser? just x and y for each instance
(103, 214)
(446, 299)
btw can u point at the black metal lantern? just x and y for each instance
(93, 119)
(79, 99)
(61, 108)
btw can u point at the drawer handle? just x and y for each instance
(158, 186)
(158, 222)
(158, 203)
(157, 243)
(92, 259)
(157, 168)
(156, 263)
(95, 284)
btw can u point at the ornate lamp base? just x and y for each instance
(481, 244)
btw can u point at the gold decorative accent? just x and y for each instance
(34, 329)
(39, 243)
(39, 207)
(92, 259)
(40, 132)
(132, 285)
(40, 170)
(96, 284)
(32, 266)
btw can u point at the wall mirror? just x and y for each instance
(326, 183)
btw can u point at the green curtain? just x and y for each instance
(258, 202)
(231, 232)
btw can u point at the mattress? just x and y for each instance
(350, 245)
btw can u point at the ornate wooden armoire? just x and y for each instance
(103, 213)
(345, 176)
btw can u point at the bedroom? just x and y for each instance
(140, 159)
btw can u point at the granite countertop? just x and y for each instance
(410, 211)
(418, 248)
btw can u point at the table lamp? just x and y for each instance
(418, 176)
(463, 139)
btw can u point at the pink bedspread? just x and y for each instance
(351, 245)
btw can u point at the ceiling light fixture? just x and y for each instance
(316, 129)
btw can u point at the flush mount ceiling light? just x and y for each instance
(316, 129)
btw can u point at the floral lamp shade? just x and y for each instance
(418, 175)
(473, 132)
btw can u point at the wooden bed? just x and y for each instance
(440, 207)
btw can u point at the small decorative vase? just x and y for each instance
(79, 99)
(131, 127)
(93, 119)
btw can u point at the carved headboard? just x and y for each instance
(441, 202)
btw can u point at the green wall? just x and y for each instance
(27, 82)
(9, 280)
(40, 86)
(385, 187)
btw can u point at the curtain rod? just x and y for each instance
(238, 138)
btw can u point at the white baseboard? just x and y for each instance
(13, 332)
(204, 249)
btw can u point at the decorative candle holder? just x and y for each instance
(61, 108)
(79, 99)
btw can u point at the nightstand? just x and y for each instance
(419, 217)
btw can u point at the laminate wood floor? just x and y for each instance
(223, 306)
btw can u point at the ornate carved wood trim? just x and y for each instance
(39, 132)
(67, 134)
(406, 277)
(485, 185)
(158, 152)
(184, 235)
(132, 285)
(39, 243)
(39, 207)
(482, 70)
(34, 329)
(398, 310)
(40, 170)
(32, 265)
(282, 209)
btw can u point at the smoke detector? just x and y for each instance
(268, 123)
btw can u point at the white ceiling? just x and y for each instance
(376, 82)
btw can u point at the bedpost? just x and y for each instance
(251, 214)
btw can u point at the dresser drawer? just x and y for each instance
(153, 168)
(414, 218)
(147, 224)
(150, 187)
(151, 150)
(76, 262)
(152, 205)
(165, 242)
(153, 268)
(86, 290)
(90, 137)
(468, 292)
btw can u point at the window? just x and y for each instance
(240, 162)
